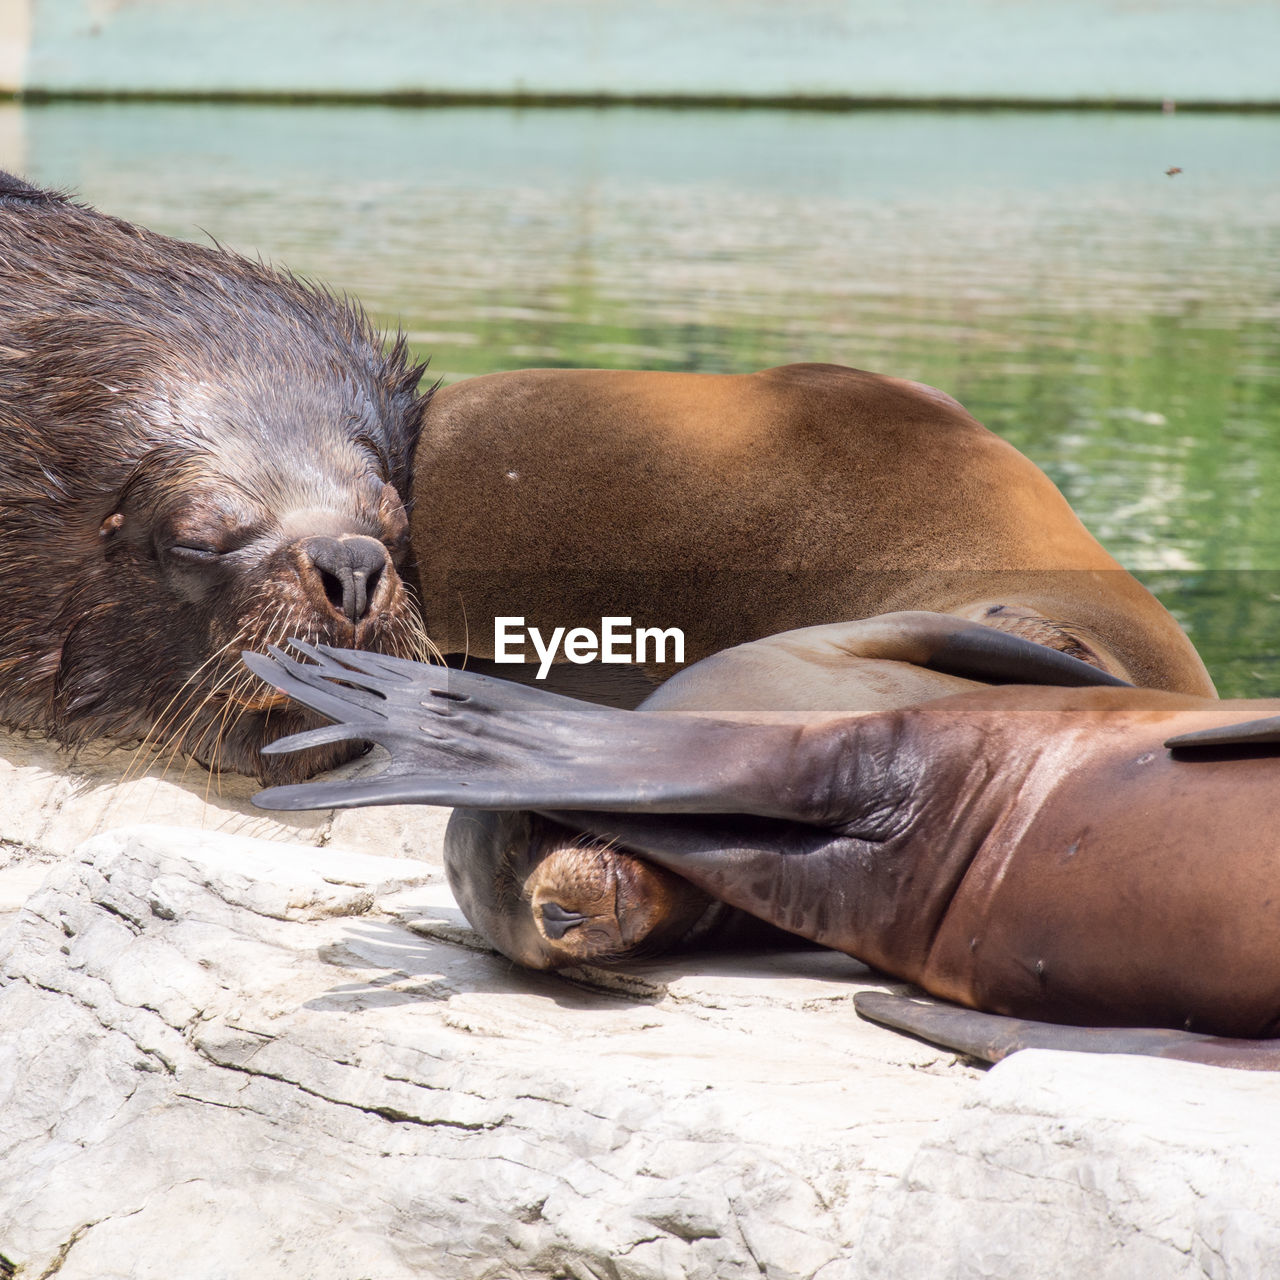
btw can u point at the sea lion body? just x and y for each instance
(1110, 882)
(1030, 851)
(201, 453)
(737, 506)
(1039, 856)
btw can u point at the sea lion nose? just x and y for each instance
(557, 921)
(350, 569)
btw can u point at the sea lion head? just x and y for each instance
(206, 455)
(548, 897)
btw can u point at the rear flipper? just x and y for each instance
(829, 667)
(1249, 733)
(991, 1036)
(457, 738)
(947, 643)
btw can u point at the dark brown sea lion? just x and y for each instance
(200, 453)
(1062, 855)
(738, 506)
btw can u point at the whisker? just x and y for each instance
(160, 722)
(205, 712)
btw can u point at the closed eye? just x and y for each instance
(196, 553)
(367, 442)
(202, 546)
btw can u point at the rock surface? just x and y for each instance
(223, 1056)
(51, 800)
(1066, 1164)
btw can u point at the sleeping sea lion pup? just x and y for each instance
(1031, 851)
(201, 453)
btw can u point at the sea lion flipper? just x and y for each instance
(991, 1037)
(300, 681)
(1247, 733)
(943, 642)
(457, 738)
(986, 1036)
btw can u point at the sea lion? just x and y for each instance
(737, 506)
(1090, 856)
(201, 453)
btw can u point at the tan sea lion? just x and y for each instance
(738, 506)
(200, 453)
(1100, 856)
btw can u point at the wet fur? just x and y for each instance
(148, 387)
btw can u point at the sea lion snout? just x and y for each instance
(348, 571)
(594, 902)
(549, 897)
(575, 896)
(555, 921)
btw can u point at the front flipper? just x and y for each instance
(991, 1037)
(457, 738)
(830, 888)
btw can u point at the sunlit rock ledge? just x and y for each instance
(223, 1056)
(52, 799)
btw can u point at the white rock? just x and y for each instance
(1067, 1165)
(204, 1078)
(51, 800)
(223, 1057)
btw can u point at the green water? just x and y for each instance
(1115, 323)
